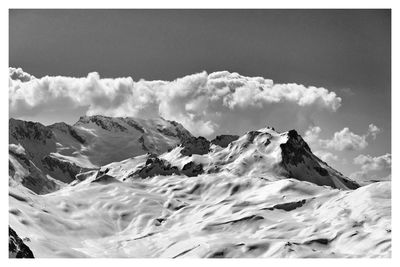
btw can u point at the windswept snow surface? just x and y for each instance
(204, 216)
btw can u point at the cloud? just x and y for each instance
(373, 168)
(345, 140)
(342, 140)
(19, 74)
(312, 134)
(194, 100)
(326, 156)
(373, 130)
(369, 163)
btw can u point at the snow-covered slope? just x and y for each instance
(97, 140)
(34, 160)
(204, 216)
(115, 139)
(22, 171)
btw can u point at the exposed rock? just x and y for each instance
(192, 169)
(29, 175)
(16, 247)
(295, 149)
(134, 124)
(155, 166)
(68, 129)
(20, 156)
(11, 168)
(297, 156)
(250, 136)
(146, 146)
(34, 131)
(224, 140)
(195, 145)
(106, 123)
(181, 132)
(105, 179)
(68, 169)
(288, 206)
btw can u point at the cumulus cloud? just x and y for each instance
(19, 74)
(373, 130)
(373, 168)
(190, 100)
(369, 163)
(326, 156)
(312, 134)
(342, 140)
(345, 140)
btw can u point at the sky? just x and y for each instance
(325, 73)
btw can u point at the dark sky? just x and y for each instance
(346, 51)
(319, 47)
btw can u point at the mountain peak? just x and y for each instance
(299, 162)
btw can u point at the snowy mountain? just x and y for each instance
(57, 153)
(114, 139)
(43, 158)
(125, 187)
(264, 153)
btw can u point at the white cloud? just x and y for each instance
(190, 100)
(367, 177)
(342, 140)
(326, 156)
(373, 130)
(373, 168)
(369, 163)
(361, 176)
(19, 74)
(345, 140)
(312, 134)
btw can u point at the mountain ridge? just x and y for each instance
(58, 152)
(63, 151)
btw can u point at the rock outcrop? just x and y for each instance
(224, 140)
(16, 247)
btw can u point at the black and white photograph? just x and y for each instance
(199, 133)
